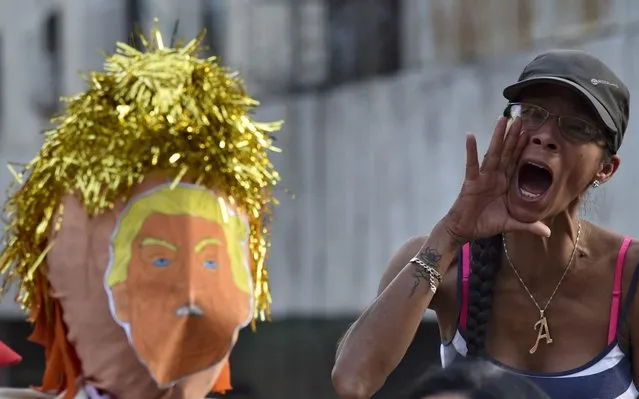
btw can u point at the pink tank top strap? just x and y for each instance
(463, 313)
(615, 304)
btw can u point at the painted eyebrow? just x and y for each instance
(156, 241)
(205, 243)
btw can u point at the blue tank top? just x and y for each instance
(608, 376)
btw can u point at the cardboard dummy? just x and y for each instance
(138, 234)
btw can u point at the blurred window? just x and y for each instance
(363, 38)
(1, 81)
(213, 17)
(133, 22)
(50, 39)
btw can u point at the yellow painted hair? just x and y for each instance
(180, 200)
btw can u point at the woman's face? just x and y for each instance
(557, 165)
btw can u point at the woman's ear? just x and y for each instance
(608, 169)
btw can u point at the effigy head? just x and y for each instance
(139, 233)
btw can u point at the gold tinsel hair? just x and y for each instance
(161, 108)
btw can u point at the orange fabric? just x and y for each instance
(62, 364)
(223, 383)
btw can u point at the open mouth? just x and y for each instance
(533, 180)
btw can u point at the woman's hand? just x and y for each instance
(480, 209)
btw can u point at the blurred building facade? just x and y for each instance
(377, 96)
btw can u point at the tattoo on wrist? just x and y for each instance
(430, 257)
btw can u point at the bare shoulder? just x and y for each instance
(607, 245)
(631, 262)
(446, 290)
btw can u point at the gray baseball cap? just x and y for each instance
(590, 77)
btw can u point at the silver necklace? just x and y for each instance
(541, 326)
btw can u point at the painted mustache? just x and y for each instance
(189, 310)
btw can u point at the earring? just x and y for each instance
(595, 183)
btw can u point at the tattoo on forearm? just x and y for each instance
(419, 275)
(431, 257)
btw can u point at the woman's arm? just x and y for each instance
(378, 340)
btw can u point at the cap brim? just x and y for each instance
(512, 93)
(7, 356)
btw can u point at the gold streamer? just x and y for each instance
(157, 109)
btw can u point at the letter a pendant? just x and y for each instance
(544, 331)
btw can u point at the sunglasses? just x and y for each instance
(573, 128)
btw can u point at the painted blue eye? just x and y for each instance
(161, 262)
(210, 264)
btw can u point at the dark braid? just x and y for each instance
(485, 262)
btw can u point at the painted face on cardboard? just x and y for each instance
(78, 263)
(178, 279)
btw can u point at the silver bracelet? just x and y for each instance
(434, 278)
